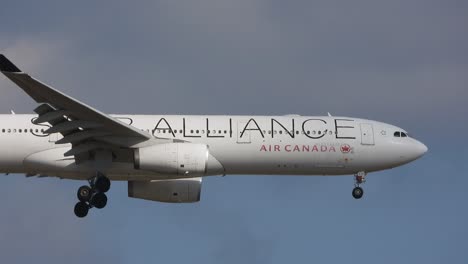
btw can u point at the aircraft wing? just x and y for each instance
(84, 127)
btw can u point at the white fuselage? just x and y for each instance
(279, 145)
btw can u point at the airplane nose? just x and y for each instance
(424, 148)
(421, 149)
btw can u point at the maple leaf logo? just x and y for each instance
(345, 148)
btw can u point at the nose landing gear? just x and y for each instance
(359, 178)
(93, 195)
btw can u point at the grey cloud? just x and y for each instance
(311, 53)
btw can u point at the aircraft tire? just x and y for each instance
(81, 209)
(84, 193)
(102, 184)
(358, 192)
(98, 200)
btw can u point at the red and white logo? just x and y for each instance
(345, 148)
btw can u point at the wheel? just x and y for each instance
(102, 184)
(98, 200)
(358, 192)
(84, 193)
(81, 209)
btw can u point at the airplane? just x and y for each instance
(164, 157)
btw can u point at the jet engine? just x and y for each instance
(167, 191)
(184, 159)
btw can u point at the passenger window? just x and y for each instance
(281, 131)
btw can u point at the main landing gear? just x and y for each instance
(359, 178)
(92, 195)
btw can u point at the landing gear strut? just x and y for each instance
(92, 195)
(359, 178)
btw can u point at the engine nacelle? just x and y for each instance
(187, 159)
(167, 191)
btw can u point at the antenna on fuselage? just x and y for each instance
(12, 112)
(329, 114)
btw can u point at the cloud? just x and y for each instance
(318, 55)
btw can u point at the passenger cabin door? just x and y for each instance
(367, 134)
(243, 138)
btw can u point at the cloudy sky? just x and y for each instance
(401, 62)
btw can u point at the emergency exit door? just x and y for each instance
(367, 134)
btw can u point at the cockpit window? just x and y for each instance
(400, 134)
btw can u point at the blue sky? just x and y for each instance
(400, 62)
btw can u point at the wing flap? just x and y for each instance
(43, 109)
(85, 147)
(51, 116)
(81, 136)
(72, 125)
